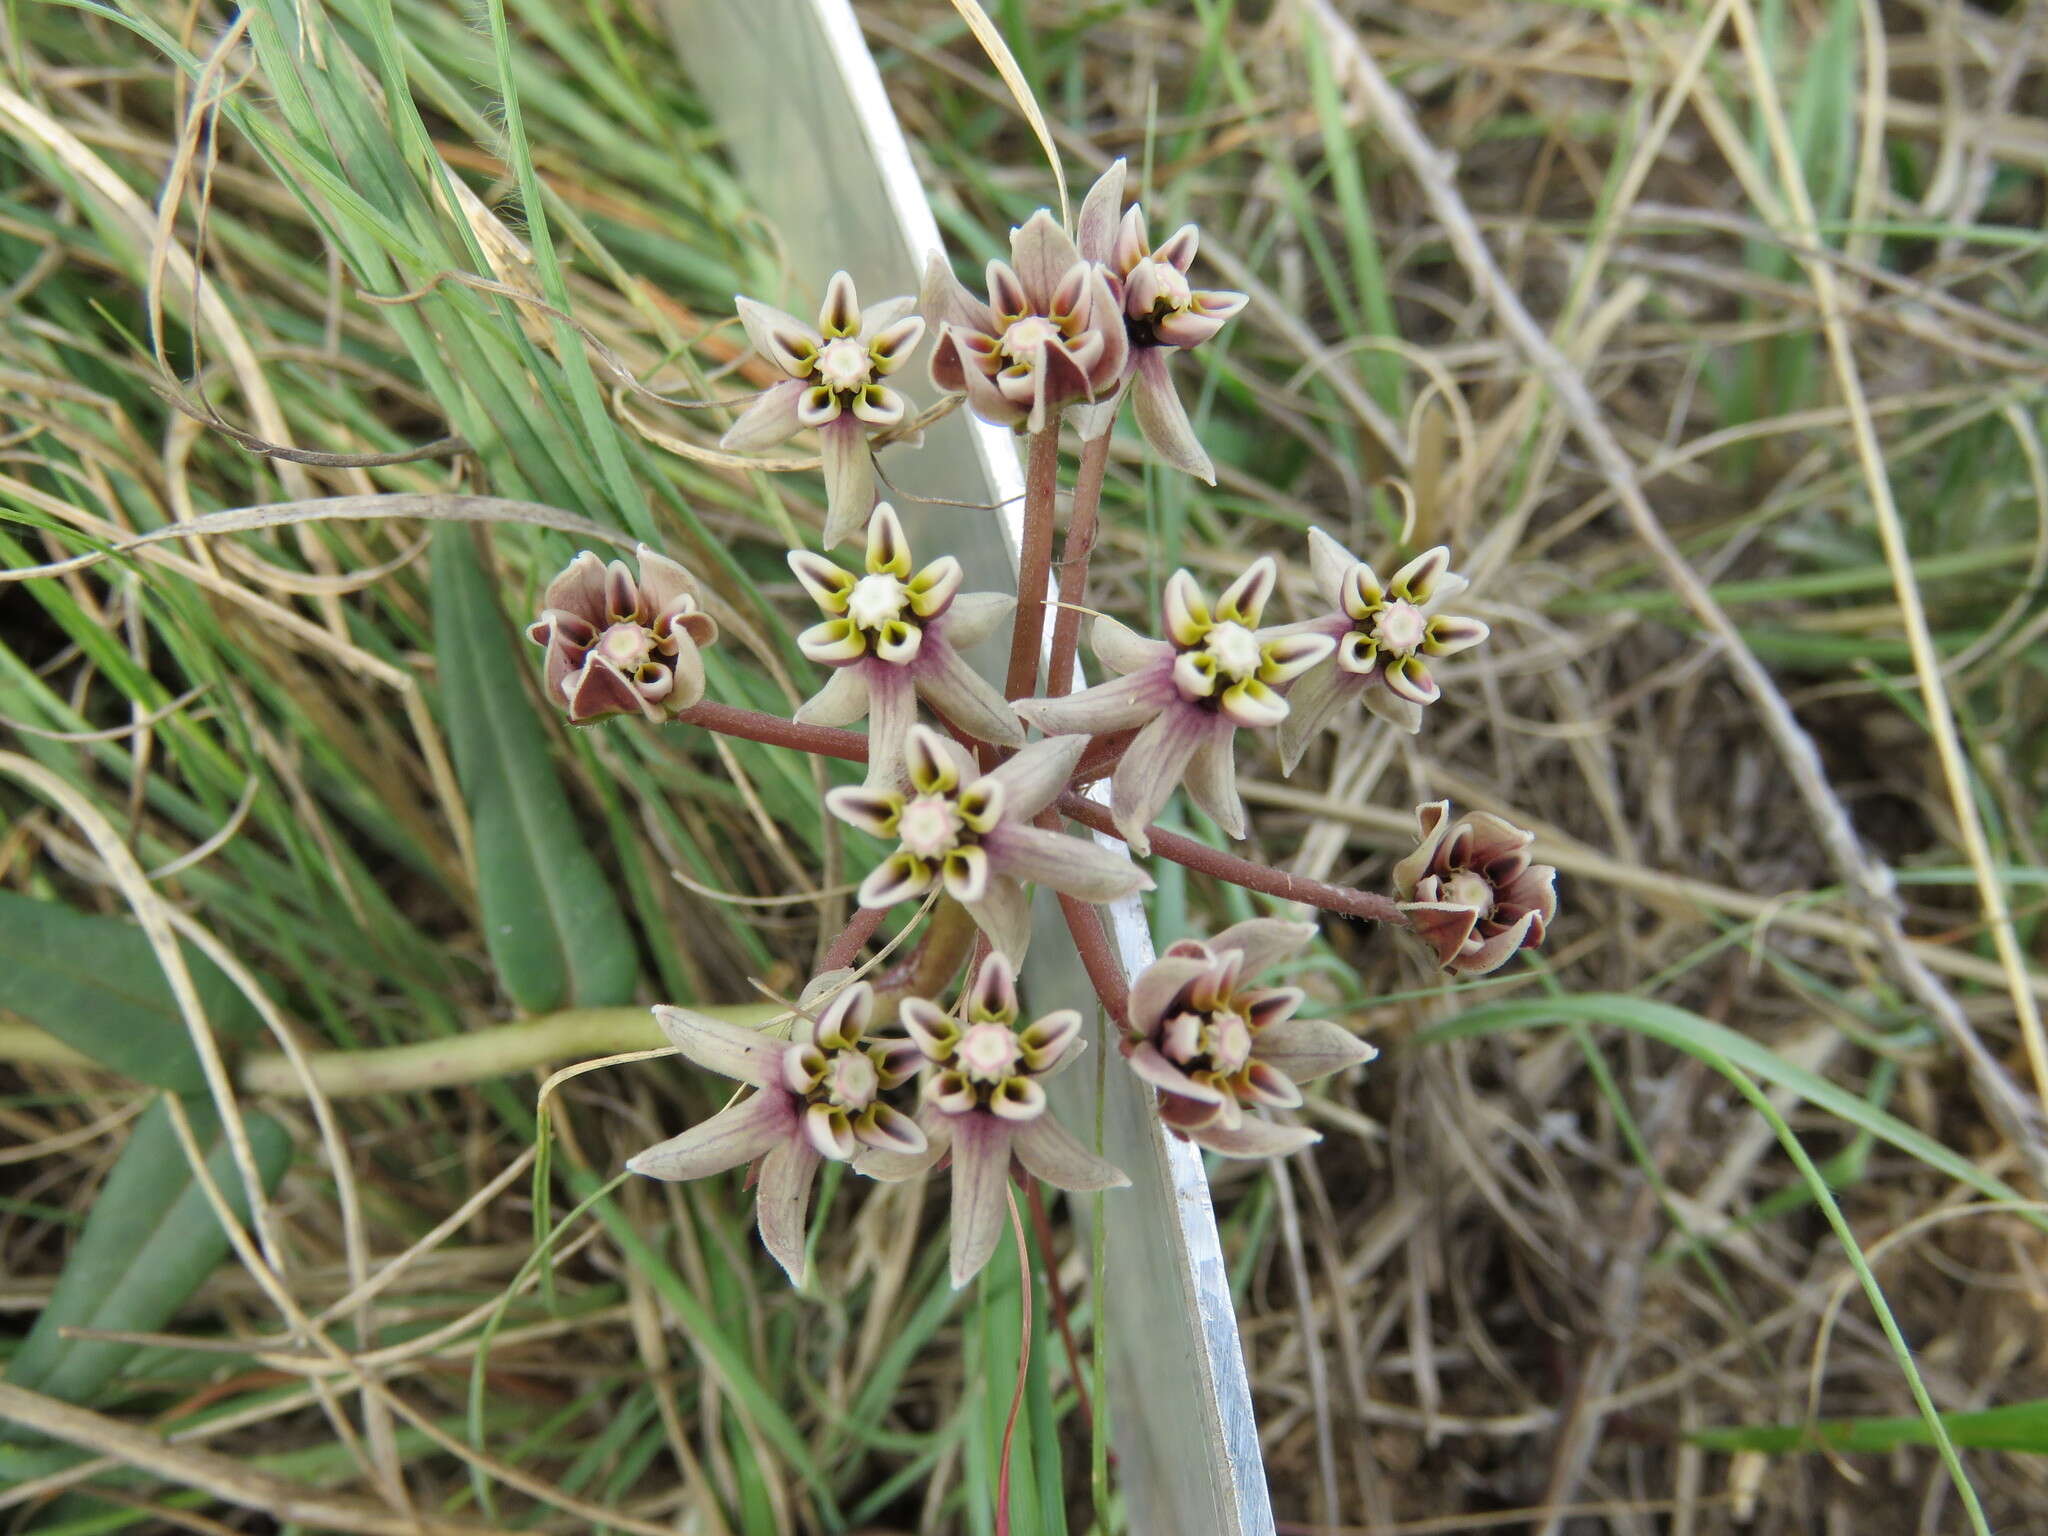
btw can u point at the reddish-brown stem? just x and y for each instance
(1034, 562)
(753, 725)
(1203, 859)
(1101, 756)
(1056, 1297)
(1098, 959)
(1080, 544)
(846, 948)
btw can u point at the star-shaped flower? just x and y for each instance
(835, 385)
(617, 644)
(985, 1103)
(1386, 634)
(971, 834)
(1050, 333)
(1216, 671)
(1470, 891)
(818, 1097)
(1216, 1045)
(892, 635)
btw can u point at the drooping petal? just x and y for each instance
(1152, 765)
(842, 701)
(782, 1203)
(1095, 229)
(1316, 695)
(1122, 649)
(717, 1045)
(878, 317)
(1049, 1152)
(1033, 778)
(1164, 420)
(963, 696)
(1212, 782)
(783, 339)
(729, 1138)
(1111, 706)
(1004, 914)
(771, 419)
(1253, 1137)
(1306, 1049)
(1403, 714)
(1069, 865)
(981, 1182)
(892, 710)
(849, 479)
(1263, 942)
(973, 616)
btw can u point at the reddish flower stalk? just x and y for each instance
(1034, 562)
(1082, 527)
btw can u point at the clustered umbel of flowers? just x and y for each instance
(965, 808)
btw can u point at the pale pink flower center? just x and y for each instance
(1173, 291)
(1235, 649)
(929, 826)
(1466, 889)
(844, 365)
(989, 1053)
(875, 601)
(852, 1081)
(1400, 627)
(626, 646)
(1025, 340)
(1208, 1042)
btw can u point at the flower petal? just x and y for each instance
(782, 1202)
(885, 1128)
(1244, 600)
(1048, 1152)
(1111, 706)
(1263, 942)
(944, 300)
(1095, 229)
(973, 616)
(1327, 562)
(1152, 765)
(1447, 635)
(1212, 782)
(832, 643)
(1159, 986)
(1315, 696)
(900, 877)
(1164, 420)
(1253, 1137)
(1150, 1063)
(1033, 778)
(963, 696)
(1122, 649)
(981, 1182)
(1070, 865)
(1042, 254)
(842, 701)
(783, 339)
(890, 346)
(771, 419)
(729, 1138)
(580, 589)
(1004, 915)
(1306, 1049)
(1403, 714)
(874, 811)
(849, 478)
(892, 710)
(717, 1045)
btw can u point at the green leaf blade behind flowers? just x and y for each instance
(551, 921)
(95, 983)
(150, 1241)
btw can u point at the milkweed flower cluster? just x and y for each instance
(966, 808)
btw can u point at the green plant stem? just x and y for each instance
(1082, 528)
(1034, 563)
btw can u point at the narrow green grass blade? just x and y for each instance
(2020, 1427)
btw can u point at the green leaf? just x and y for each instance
(2012, 1427)
(94, 983)
(551, 921)
(150, 1240)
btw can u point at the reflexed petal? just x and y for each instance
(993, 997)
(842, 701)
(966, 874)
(1253, 1137)
(1404, 714)
(1004, 915)
(1263, 942)
(1049, 1152)
(892, 709)
(1445, 927)
(1244, 600)
(1070, 865)
(1212, 782)
(981, 1181)
(1147, 1061)
(1186, 613)
(1122, 649)
(783, 339)
(1111, 706)
(1306, 1049)
(973, 616)
(1095, 229)
(580, 589)
(832, 643)
(1434, 819)
(1315, 697)
(1152, 765)
(874, 811)
(830, 1135)
(899, 877)
(1017, 1099)
(1159, 986)
(1061, 375)
(887, 1129)
(964, 697)
(771, 419)
(1447, 635)
(1328, 561)
(1492, 953)
(662, 580)
(1417, 580)
(729, 1138)
(717, 1045)
(782, 1203)
(931, 589)
(849, 479)
(1042, 255)
(1164, 420)
(1033, 779)
(890, 347)
(1253, 705)
(839, 315)
(943, 300)
(1048, 1040)
(877, 318)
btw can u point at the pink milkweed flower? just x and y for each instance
(1162, 312)
(1050, 333)
(1470, 891)
(1216, 1045)
(1215, 671)
(1386, 633)
(970, 834)
(617, 643)
(835, 385)
(890, 636)
(984, 1101)
(818, 1097)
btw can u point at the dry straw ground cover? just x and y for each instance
(1710, 338)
